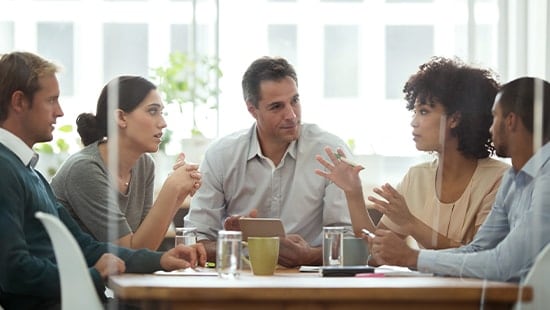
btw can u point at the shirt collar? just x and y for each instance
(255, 149)
(535, 163)
(17, 146)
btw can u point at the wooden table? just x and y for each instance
(293, 290)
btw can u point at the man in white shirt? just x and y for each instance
(268, 170)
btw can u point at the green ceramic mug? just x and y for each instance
(263, 253)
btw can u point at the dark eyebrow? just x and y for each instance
(155, 104)
(274, 103)
(54, 97)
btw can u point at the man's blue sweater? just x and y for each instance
(28, 273)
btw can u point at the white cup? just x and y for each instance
(185, 236)
(333, 246)
(228, 253)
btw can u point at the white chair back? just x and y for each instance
(538, 278)
(77, 288)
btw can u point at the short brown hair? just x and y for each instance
(265, 69)
(21, 71)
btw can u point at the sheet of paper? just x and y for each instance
(309, 268)
(198, 271)
(396, 271)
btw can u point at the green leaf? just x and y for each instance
(66, 128)
(44, 148)
(62, 145)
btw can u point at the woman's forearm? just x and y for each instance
(360, 217)
(152, 230)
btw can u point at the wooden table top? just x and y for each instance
(290, 285)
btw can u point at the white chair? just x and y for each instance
(77, 288)
(537, 278)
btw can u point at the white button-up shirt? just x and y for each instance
(238, 178)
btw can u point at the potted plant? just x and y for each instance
(190, 81)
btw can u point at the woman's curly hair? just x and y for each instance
(461, 89)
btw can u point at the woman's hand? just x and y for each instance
(340, 173)
(193, 170)
(394, 206)
(185, 177)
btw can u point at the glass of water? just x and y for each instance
(185, 235)
(333, 246)
(228, 253)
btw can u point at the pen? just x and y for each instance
(345, 160)
(368, 233)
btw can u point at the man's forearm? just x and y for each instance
(316, 257)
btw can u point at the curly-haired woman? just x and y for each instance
(441, 203)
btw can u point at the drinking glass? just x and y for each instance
(228, 253)
(333, 246)
(186, 235)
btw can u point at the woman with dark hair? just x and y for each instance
(442, 203)
(82, 184)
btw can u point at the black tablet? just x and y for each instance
(345, 271)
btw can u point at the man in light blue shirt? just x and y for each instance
(518, 228)
(268, 170)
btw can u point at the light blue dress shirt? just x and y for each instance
(515, 231)
(237, 177)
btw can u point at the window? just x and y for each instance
(179, 38)
(406, 48)
(125, 50)
(407, 1)
(352, 57)
(56, 41)
(283, 41)
(6, 33)
(341, 47)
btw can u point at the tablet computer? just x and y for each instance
(261, 227)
